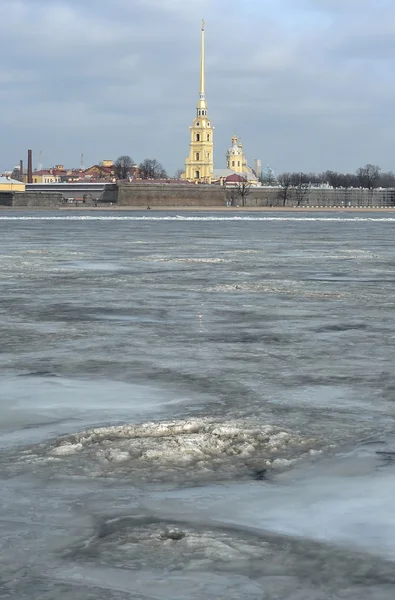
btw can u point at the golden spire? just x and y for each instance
(202, 67)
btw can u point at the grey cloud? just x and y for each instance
(109, 78)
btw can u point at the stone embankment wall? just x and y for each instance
(168, 195)
(320, 197)
(216, 196)
(37, 200)
(6, 198)
(133, 194)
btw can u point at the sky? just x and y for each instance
(308, 85)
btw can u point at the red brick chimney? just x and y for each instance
(29, 167)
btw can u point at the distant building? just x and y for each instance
(235, 159)
(237, 162)
(99, 172)
(258, 167)
(11, 185)
(268, 176)
(45, 176)
(199, 166)
(58, 174)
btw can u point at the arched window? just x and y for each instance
(208, 124)
(233, 163)
(208, 137)
(197, 155)
(197, 175)
(198, 137)
(238, 163)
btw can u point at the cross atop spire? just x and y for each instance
(203, 24)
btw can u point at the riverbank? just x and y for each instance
(236, 209)
(351, 209)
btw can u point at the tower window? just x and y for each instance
(197, 124)
(197, 155)
(238, 164)
(233, 163)
(197, 175)
(198, 137)
(208, 124)
(208, 137)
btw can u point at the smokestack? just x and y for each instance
(21, 170)
(29, 167)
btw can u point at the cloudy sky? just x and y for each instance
(307, 84)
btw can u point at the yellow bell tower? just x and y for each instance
(199, 166)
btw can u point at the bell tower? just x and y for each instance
(199, 166)
(235, 157)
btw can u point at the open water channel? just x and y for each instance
(197, 406)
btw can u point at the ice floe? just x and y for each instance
(182, 449)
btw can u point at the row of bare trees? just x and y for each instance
(149, 168)
(297, 185)
(369, 176)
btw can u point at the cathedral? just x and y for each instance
(199, 166)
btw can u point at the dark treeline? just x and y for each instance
(149, 168)
(369, 176)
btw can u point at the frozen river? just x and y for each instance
(197, 406)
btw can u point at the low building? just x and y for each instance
(229, 178)
(96, 172)
(11, 185)
(45, 176)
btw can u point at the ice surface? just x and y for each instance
(300, 217)
(272, 331)
(346, 499)
(38, 404)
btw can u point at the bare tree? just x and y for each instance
(368, 176)
(286, 191)
(16, 174)
(387, 180)
(333, 178)
(238, 191)
(301, 184)
(232, 195)
(313, 178)
(243, 188)
(150, 168)
(348, 180)
(178, 173)
(122, 167)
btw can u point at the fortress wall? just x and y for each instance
(37, 199)
(320, 197)
(6, 198)
(133, 194)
